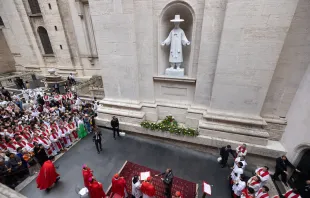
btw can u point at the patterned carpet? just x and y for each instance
(187, 188)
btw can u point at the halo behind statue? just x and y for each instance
(177, 18)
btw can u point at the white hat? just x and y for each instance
(177, 19)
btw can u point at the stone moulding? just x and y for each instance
(235, 119)
(218, 127)
(121, 104)
(175, 79)
(273, 149)
(132, 114)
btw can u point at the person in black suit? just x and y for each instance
(115, 126)
(281, 169)
(97, 139)
(167, 179)
(224, 153)
(305, 191)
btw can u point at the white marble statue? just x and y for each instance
(176, 38)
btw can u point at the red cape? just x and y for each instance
(86, 175)
(118, 186)
(148, 189)
(47, 175)
(96, 190)
(246, 194)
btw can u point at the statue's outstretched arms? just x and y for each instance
(184, 40)
(167, 41)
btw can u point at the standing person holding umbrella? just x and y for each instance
(167, 179)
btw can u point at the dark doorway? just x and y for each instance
(298, 179)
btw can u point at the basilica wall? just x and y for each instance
(242, 69)
(292, 64)
(7, 63)
(296, 138)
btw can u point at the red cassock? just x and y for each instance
(96, 190)
(86, 175)
(118, 186)
(148, 189)
(47, 175)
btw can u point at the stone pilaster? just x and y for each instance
(249, 51)
(114, 29)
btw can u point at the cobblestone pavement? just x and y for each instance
(187, 164)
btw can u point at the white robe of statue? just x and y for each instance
(176, 38)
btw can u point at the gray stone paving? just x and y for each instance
(187, 164)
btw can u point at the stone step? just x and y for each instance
(233, 132)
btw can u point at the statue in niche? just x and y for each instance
(176, 38)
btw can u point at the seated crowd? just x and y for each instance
(34, 127)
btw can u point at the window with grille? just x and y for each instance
(45, 40)
(34, 6)
(1, 22)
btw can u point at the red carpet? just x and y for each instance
(187, 188)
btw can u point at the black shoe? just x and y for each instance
(223, 166)
(98, 152)
(114, 138)
(101, 149)
(47, 190)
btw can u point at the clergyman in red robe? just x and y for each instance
(47, 175)
(87, 173)
(119, 185)
(95, 188)
(147, 188)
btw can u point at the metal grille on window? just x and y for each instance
(45, 40)
(34, 6)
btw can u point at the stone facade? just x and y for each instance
(243, 68)
(7, 63)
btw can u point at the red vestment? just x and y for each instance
(148, 189)
(96, 190)
(118, 186)
(86, 175)
(47, 175)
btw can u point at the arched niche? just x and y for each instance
(165, 26)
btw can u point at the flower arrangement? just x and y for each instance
(169, 124)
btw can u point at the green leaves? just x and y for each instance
(169, 124)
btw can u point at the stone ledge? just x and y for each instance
(121, 104)
(273, 149)
(125, 113)
(233, 136)
(255, 132)
(259, 121)
(175, 79)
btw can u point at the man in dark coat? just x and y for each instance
(281, 169)
(305, 190)
(167, 179)
(97, 139)
(115, 126)
(6, 93)
(224, 153)
(40, 153)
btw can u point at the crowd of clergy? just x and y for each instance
(257, 185)
(36, 125)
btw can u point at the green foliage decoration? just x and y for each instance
(169, 124)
